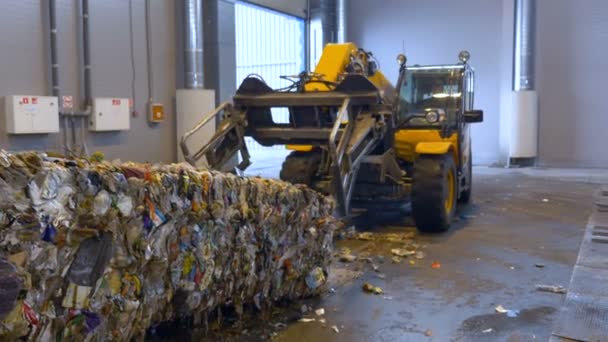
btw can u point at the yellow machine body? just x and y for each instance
(332, 65)
(410, 143)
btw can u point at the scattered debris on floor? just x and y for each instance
(335, 328)
(381, 276)
(428, 333)
(545, 200)
(511, 268)
(365, 236)
(346, 255)
(510, 313)
(320, 312)
(419, 255)
(387, 298)
(402, 252)
(487, 331)
(436, 265)
(390, 237)
(367, 287)
(306, 320)
(412, 262)
(539, 265)
(280, 326)
(551, 288)
(396, 260)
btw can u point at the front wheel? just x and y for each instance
(434, 192)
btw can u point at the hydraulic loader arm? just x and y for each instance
(227, 141)
(359, 136)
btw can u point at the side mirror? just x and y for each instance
(475, 115)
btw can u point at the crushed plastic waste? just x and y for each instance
(396, 260)
(367, 287)
(346, 256)
(551, 288)
(103, 250)
(304, 309)
(428, 333)
(510, 313)
(335, 329)
(402, 252)
(306, 320)
(320, 312)
(436, 265)
(487, 331)
(390, 237)
(539, 265)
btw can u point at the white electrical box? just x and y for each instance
(27, 114)
(110, 114)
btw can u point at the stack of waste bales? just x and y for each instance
(102, 251)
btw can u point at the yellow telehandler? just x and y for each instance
(357, 137)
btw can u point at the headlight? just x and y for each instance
(432, 117)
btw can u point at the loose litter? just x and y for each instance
(320, 312)
(487, 331)
(306, 320)
(335, 328)
(396, 260)
(552, 288)
(539, 265)
(346, 256)
(402, 252)
(510, 313)
(428, 333)
(104, 250)
(436, 265)
(367, 287)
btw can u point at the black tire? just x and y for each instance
(430, 192)
(465, 196)
(301, 167)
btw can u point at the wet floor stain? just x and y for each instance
(491, 326)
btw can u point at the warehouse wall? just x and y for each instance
(24, 68)
(572, 61)
(433, 32)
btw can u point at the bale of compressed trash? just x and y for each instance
(102, 251)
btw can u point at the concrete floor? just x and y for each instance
(488, 259)
(520, 218)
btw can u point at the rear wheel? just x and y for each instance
(301, 167)
(434, 192)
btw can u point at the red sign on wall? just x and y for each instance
(25, 100)
(115, 102)
(68, 102)
(34, 100)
